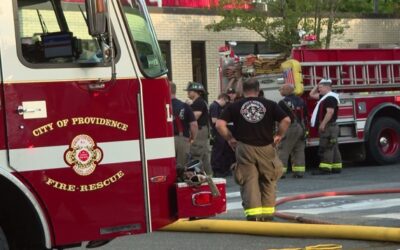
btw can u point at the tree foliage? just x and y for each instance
(279, 26)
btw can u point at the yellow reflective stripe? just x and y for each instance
(253, 211)
(325, 165)
(299, 168)
(268, 210)
(337, 165)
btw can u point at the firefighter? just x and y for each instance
(199, 149)
(229, 154)
(258, 167)
(293, 143)
(231, 92)
(235, 76)
(218, 158)
(185, 127)
(324, 118)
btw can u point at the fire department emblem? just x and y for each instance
(83, 155)
(253, 111)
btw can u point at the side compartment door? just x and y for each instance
(73, 138)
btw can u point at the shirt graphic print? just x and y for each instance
(253, 111)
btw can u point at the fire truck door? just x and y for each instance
(74, 139)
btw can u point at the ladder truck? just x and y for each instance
(368, 83)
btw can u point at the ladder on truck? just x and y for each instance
(353, 74)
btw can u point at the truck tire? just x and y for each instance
(3, 241)
(384, 141)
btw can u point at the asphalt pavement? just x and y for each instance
(361, 207)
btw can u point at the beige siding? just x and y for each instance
(384, 31)
(181, 29)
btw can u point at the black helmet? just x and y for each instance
(195, 86)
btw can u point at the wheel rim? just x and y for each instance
(388, 141)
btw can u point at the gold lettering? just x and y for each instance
(83, 188)
(102, 184)
(74, 120)
(92, 187)
(71, 188)
(49, 181)
(43, 129)
(114, 123)
(99, 185)
(62, 123)
(92, 120)
(102, 121)
(36, 132)
(108, 122)
(120, 174)
(59, 185)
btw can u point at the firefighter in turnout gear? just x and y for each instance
(258, 167)
(324, 118)
(185, 128)
(293, 143)
(199, 149)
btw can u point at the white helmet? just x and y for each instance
(325, 81)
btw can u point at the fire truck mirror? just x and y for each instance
(96, 17)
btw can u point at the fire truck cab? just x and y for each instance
(86, 138)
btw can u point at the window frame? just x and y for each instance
(133, 44)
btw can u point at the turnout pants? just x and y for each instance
(182, 149)
(199, 149)
(331, 159)
(293, 145)
(257, 171)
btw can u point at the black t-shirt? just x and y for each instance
(329, 102)
(201, 105)
(183, 116)
(254, 119)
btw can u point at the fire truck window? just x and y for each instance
(55, 32)
(146, 46)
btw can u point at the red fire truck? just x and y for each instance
(368, 83)
(87, 147)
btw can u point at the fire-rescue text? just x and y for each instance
(85, 187)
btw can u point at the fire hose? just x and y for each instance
(313, 228)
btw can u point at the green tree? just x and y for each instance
(370, 6)
(279, 25)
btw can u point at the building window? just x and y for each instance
(165, 47)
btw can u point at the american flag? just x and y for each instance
(288, 76)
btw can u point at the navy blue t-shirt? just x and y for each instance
(294, 107)
(183, 116)
(215, 112)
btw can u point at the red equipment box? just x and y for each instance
(198, 201)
